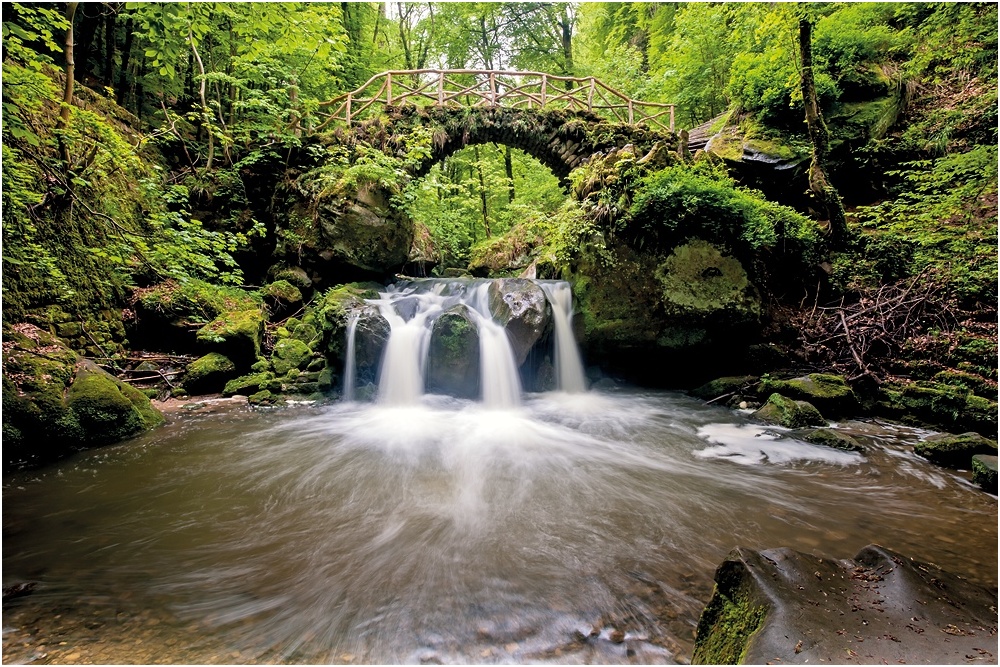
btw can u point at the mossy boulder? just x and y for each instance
(700, 280)
(941, 405)
(829, 393)
(208, 374)
(252, 384)
(107, 409)
(281, 297)
(290, 354)
(955, 451)
(55, 404)
(789, 413)
(236, 334)
(724, 385)
(984, 472)
(453, 355)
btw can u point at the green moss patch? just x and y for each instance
(955, 451)
(208, 374)
(829, 393)
(786, 412)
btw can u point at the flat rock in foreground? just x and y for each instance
(781, 606)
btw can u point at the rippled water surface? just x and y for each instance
(448, 532)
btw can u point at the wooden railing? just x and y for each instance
(489, 89)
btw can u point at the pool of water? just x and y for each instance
(574, 528)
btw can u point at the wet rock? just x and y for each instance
(453, 357)
(290, 354)
(782, 606)
(785, 412)
(941, 405)
(955, 451)
(519, 305)
(236, 334)
(829, 393)
(19, 590)
(984, 472)
(828, 438)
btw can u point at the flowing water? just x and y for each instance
(566, 526)
(350, 356)
(569, 368)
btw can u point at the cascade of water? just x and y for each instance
(499, 380)
(401, 380)
(569, 368)
(352, 326)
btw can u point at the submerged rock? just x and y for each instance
(520, 306)
(828, 438)
(784, 411)
(453, 357)
(955, 451)
(782, 606)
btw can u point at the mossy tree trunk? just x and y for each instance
(826, 197)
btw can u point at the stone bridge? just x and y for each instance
(560, 121)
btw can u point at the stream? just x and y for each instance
(574, 527)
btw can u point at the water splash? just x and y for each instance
(501, 386)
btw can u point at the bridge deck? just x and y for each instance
(492, 89)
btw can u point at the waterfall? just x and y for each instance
(499, 380)
(352, 326)
(411, 309)
(569, 368)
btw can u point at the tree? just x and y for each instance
(824, 194)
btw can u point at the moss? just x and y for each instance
(151, 417)
(107, 409)
(955, 451)
(265, 397)
(789, 413)
(326, 378)
(966, 380)
(250, 384)
(725, 629)
(282, 291)
(697, 277)
(830, 438)
(941, 405)
(294, 276)
(208, 374)
(290, 354)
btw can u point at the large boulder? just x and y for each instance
(208, 374)
(453, 357)
(519, 305)
(780, 606)
(984, 472)
(338, 237)
(55, 403)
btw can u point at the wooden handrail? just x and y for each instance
(491, 88)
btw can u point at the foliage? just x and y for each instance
(946, 210)
(683, 201)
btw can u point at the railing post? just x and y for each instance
(388, 89)
(545, 81)
(671, 117)
(493, 89)
(440, 88)
(347, 108)
(631, 118)
(590, 95)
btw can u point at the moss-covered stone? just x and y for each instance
(290, 354)
(829, 393)
(453, 355)
(941, 405)
(326, 379)
(955, 451)
(724, 385)
(698, 279)
(236, 334)
(265, 397)
(106, 409)
(786, 412)
(984, 472)
(728, 622)
(281, 297)
(252, 384)
(208, 374)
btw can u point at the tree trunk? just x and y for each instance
(122, 87)
(64, 111)
(205, 114)
(482, 193)
(109, 46)
(826, 197)
(508, 167)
